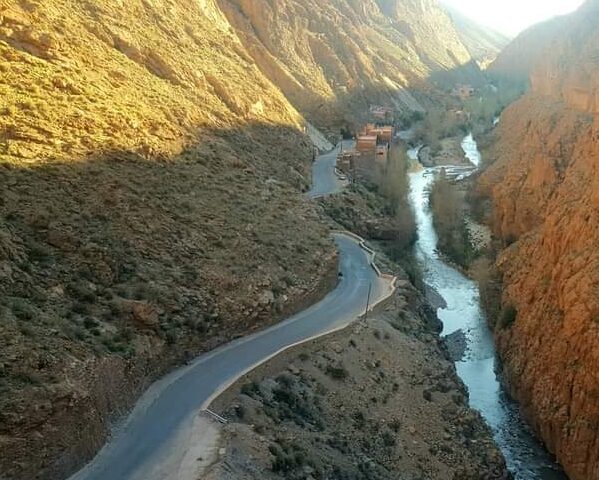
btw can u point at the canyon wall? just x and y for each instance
(544, 184)
(518, 59)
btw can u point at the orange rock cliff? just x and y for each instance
(544, 184)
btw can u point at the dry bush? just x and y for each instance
(486, 274)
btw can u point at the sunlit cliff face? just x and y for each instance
(544, 185)
(326, 58)
(72, 84)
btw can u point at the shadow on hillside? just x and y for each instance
(350, 109)
(469, 73)
(115, 267)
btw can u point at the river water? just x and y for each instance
(526, 457)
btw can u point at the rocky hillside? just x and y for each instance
(545, 189)
(332, 59)
(151, 207)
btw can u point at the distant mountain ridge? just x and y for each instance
(483, 43)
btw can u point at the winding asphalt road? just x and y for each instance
(324, 180)
(160, 428)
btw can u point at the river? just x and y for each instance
(526, 457)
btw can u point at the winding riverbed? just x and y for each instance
(525, 455)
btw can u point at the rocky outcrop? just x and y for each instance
(545, 188)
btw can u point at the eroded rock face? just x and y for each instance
(545, 188)
(559, 58)
(570, 70)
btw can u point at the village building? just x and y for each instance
(463, 92)
(384, 134)
(370, 154)
(379, 112)
(366, 143)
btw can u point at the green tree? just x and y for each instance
(448, 218)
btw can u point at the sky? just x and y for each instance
(510, 17)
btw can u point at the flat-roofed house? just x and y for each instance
(386, 134)
(366, 143)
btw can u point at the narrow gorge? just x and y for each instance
(461, 313)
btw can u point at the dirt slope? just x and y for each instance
(545, 188)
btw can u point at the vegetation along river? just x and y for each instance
(525, 455)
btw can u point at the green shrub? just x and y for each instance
(303, 356)
(89, 323)
(286, 457)
(359, 420)
(22, 309)
(81, 308)
(39, 252)
(250, 389)
(338, 373)
(81, 292)
(388, 439)
(508, 316)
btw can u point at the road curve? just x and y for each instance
(160, 426)
(324, 179)
(159, 434)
